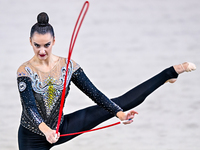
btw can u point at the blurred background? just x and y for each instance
(121, 44)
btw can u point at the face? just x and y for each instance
(42, 45)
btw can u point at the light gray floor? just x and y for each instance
(121, 44)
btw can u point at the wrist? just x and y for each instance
(44, 128)
(121, 115)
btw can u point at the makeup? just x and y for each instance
(42, 55)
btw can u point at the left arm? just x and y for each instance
(85, 85)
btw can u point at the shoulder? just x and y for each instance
(21, 71)
(74, 64)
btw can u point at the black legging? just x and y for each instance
(90, 117)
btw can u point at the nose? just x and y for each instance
(42, 50)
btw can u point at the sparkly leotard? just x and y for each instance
(40, 93)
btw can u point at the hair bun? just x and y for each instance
(43, 19)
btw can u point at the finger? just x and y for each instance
(54, 140)
(128, 122)
(133, 112)
(58, 135)
(50, 141)
(130, 116)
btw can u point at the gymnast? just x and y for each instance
(40, 83)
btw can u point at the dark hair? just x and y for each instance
(42, 26)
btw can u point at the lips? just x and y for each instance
(42, 55)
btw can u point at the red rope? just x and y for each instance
(91, 129)
(73, 40)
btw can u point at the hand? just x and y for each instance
(126, 116)
(129, 116)
(51, 136)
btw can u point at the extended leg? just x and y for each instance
(137, 95)
(90, 117)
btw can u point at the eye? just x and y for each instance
(36, 45)
(47, 45)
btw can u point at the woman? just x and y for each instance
(40, 83)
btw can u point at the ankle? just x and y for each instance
(179, 68)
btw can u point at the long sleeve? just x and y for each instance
(85, 85)
(28, 100)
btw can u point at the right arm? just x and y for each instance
(28, 100)
(30, 108)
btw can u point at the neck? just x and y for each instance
(47, 62)
(44, 65)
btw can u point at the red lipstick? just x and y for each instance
(42, 55)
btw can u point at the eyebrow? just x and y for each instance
(44, 44)
(47, 43)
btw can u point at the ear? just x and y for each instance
(30, 41)
(54, 40)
